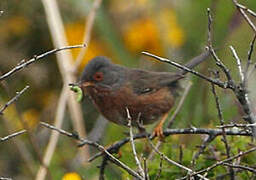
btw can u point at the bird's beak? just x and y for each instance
(86, 84)
(82, 84)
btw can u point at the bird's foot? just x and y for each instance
(158, 131)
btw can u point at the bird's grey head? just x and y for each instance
(101, 71)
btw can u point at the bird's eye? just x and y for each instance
(98, 76)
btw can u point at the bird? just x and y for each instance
(147, 95)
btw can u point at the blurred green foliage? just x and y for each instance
(173, 29)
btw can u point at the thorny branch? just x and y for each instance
(24, 63)
(15, 98)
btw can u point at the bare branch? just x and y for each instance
(236, 125)
(202, 147)
(173, 162)
(238, 61)
(247, 19)
(246, 9)
(223, 161)
(249, 60)
(219, 63)
(15, 98)
(241, 167)
(217, 82)
(168, 132)
(141, 172)
(96, 145)
(160, 168)
(5, 178)
(36, 58)
(12, 135)
(224, 136)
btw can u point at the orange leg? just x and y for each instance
(158, 131)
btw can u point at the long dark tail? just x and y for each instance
(195, 61)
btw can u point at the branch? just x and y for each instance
(236, 125)
(168, 132)
(96, 145)
(4, 178)
(215, 81)
(224, 136)
(15, 98)
(12, 135)
(241, 167)
(223, 161)
(241, 9)
(173, 162)
(219, 63)
(23, 64)
(141, 172)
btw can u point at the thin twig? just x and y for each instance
(219, 63)
(168, 132)
(173, 162)
(12, 135)
(249, 59)
(137, 161)
(160, 168)
(15, 98)
(5, 178)
(242, 94)
(145, 168)
(253, 170)
(206, 142)
(222, 162)
(36, 58)
(238, 61)
(246, 9)
(96, 145)
(217, 82)
(224, 136)
(247, 19)
(236, 125)
(102, 167)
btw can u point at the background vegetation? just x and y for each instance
(122, 30)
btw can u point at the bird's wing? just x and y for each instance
(148, 82)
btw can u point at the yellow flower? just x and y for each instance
(71, 176)
(142, 34)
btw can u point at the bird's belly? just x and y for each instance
(146, 108)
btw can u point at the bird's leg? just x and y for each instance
(158, 131)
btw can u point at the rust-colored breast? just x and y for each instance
(150, 106)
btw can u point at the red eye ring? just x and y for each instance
(98, 76)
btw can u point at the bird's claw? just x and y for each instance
(158, 131)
